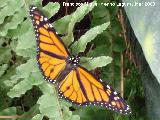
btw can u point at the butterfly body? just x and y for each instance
(75, 83)
(71, 64)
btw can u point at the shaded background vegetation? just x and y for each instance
(122, 73)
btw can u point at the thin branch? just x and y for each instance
(129, 49)
(122, 75)
(120, 15)
(17, 116)
(14, 116)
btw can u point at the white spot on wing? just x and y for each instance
(34, 8)
(108, 87)
(115, 93)
(45, 19)
(50, 25)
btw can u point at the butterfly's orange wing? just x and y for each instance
(51, 52)
(78, 86)
(82, 88)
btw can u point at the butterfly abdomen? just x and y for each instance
(72, 63)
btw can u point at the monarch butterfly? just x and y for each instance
(75, 83)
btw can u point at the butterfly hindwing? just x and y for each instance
(82, 88)
(52, 53)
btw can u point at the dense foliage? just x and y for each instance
(23, 90)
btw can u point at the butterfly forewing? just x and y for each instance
(51, 52)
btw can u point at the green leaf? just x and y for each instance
(62, 23)
(8, 112)
(24, 70)
(80, 45)
(119, 45)
(68, 114)
(34, 2)
(24, 27)
(16, 19)
(51, 9)
(49, 106)
(26, 41)
(92, 63)
(26, 37)
(1, 41)
(100, 15)
(46, 88)
(26, 84)
(116, 27)
(3, 68)
(101, 50)
(38, 117)
(31, 53)
(95, 114)
(10, 9)
(77, 16)
(6, 77)
(31, 76)
(5, 55)
(34, 110)
(3, 3)
(74, 117)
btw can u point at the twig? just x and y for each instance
(129, 52)
(122, 76)
(16, 116)
(122, 57)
